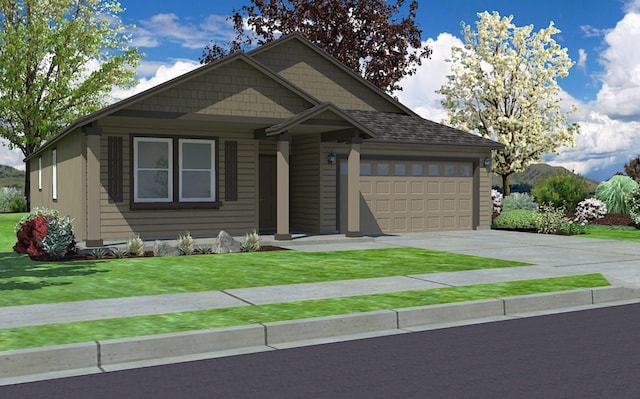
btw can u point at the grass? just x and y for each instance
(58, 334)
(621, 233)
(24, 282)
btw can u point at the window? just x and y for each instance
(173, 170)
(153, 172)
(39, 173)
(197, 172)
(416, 169)
(449, 170)
(54, 176)
(399, 169)
(365, 169)
(433, 170)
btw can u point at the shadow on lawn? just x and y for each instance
(17, 268)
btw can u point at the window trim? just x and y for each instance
(54, 174)
(136, 169)
(39, 173)
(212, 170)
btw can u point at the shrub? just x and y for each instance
(550, 220)
(561, 191)
(60, 239)
(185, 244)
(496, 198)
(251, 242)
(589, 210)
(135, 245)
(44, 232)
(632, 200)
(519, 201)
(11, 200)
(515, 219)
(29, 236)
(613, 193)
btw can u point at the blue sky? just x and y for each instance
(602, 37)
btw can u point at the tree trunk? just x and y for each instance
(506, 190)
(27, 185)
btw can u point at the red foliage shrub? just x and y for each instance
(30, 235)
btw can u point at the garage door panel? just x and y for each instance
(449, 187)
(433, 187)
(465, 188)
(417, 188)
(400, 224)
(400, 188)
(449, 204)
(417, 205)
(464, 205)
(400, 205)
(382, 206)
(366, 187)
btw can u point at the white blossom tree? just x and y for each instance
(503, 87)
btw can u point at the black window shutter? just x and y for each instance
(231, 170)
(115, 168)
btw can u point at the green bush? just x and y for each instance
(613, 193)
(632, 200)
(11, 200)
(561, 191)
(519, 201)
(515, 219)
(551, 220)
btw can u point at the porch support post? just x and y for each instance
(353, 189)
(282, 192)
(93, 238)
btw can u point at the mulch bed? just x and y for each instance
(147, 254)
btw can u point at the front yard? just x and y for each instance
(23, 282)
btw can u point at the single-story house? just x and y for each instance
(282, 138)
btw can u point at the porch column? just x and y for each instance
(93, 223)
(353, 189)
(282, 191)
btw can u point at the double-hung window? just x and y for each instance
(197, 171)
(159, 176)
(153, 169)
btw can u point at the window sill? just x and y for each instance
(173, 206)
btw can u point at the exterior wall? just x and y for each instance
(329, 205)
(235, 89)
(71, 166)
(305, 183)
(119, 221)
(321, 78)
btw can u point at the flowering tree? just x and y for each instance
(503, 87)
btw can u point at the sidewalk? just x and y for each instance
(551, 256)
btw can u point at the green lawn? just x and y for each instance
(23, 281)
(621, 233)
(58, 334)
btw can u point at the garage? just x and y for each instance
(401, 196)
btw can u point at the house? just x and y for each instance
(282, 138)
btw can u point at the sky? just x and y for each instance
(602, 38)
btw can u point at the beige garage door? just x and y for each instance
(413, 196)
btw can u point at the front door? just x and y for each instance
(268, 186)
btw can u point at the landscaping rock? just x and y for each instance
(225, 244)
(161, 248)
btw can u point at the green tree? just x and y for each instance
(503, 87)
(365, 35)
(59, 59)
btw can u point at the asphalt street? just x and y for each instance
(587, 354)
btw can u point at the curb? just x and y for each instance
(35, 364)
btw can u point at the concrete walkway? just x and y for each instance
(550, 256)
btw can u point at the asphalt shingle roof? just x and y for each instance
(400, 128)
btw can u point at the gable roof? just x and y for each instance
(314, 111)
(120, 105)
(404, 129)
(315, 48)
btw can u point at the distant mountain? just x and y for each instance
(535, 173)
(9, 172)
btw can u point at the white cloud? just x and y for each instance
(582, 59)
(419, 90)
(620, 92)
(9, 157)
(152, 32)
(163, 73)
